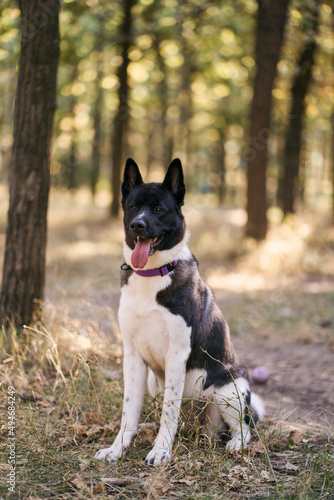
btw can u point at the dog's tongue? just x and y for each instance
(139, 256)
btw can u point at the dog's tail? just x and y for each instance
(257, 407)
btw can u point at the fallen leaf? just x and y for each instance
(256, 447)
(84, 462)
(79, 483)
(113, 428)
(147, 432)
(5, 466)
(290, 466)
(265, 476)
(238, 471)
(46, 405)
(79, 429)
(121, 481)
(97, 487)
(143, 474)
(188, 482)
(94, 418)
(95, 429)
(295, 437)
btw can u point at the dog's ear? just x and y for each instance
(174, 181)
(132, 178)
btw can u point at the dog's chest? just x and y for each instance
(144, 322)
(150, 328)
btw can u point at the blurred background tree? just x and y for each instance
(271, 20)
(291, 179)
(189, 69)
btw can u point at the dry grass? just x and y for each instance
(66, 368)
(68, 404)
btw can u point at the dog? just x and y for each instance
(175, 338)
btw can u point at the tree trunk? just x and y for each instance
(167, 140)
(96, 156)
(332, 120)
(122, 115)
(221, 169)
(72, 165)
(24, 263)
(293, 140)
(270, 28)
(98, 134)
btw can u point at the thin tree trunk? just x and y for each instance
(332, 120)
(72, 165)
(293, 141)
(221, 168)
(167, 142)
(98, 134)
(122, 115)
(96, 156)
(270, 29)
(332, 167)
(24, 264)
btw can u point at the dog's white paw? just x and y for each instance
(237, 443)
(157, 457)
(108, 455)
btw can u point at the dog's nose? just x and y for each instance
(138, 225)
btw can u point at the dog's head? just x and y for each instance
(153, 220)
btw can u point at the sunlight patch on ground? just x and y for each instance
(82, 250)
(218, 278)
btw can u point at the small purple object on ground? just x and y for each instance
(260, 375)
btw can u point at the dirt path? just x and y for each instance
(301, 384)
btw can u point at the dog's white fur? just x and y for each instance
(154, 337)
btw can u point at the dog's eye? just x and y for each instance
(133, 208)
(158, 209)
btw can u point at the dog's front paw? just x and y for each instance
(157, 457)
(108, 455)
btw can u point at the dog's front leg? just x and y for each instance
(174, 385)
(135, 374)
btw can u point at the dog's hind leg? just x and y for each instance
(213, 421)
(233, 401)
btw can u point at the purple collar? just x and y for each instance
(158, 271)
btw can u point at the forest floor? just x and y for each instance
(278, 298)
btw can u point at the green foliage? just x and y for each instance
(191, 76)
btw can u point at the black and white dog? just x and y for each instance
(174, 335)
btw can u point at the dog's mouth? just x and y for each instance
(143, 249)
